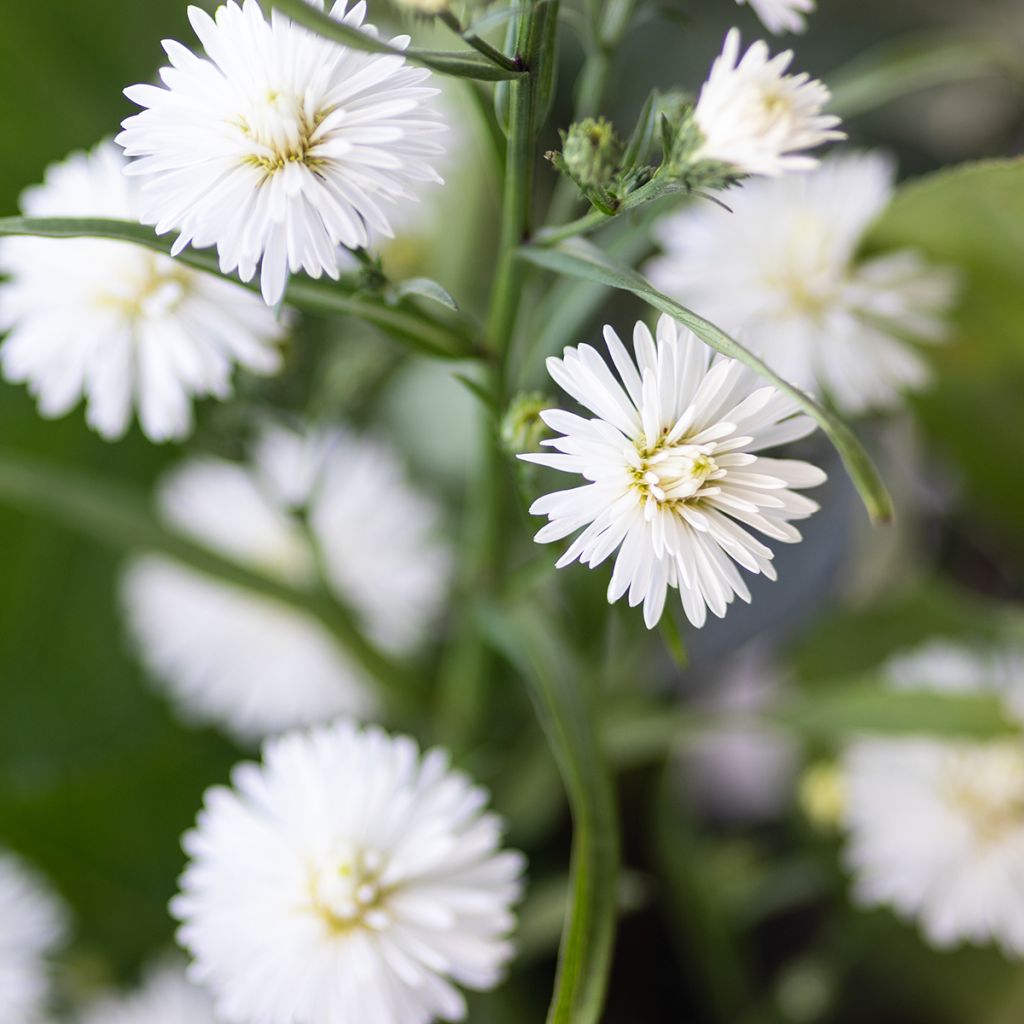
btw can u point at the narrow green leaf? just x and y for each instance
(578, 258)
(458, 64)
(412, 327)
(427, 289)
(118, 516)
(525, 636)
(641, 142)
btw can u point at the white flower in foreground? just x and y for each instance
(116, 323)
(936, 830)
(32, 925)
(347, 880)
(755, 117)
(165, 997)
(279, 145)
(782, 270)
(780, 16)
(250, 662)
(672, 472)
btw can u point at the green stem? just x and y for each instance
(480, 45)
(591, 220)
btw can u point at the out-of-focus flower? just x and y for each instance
(780, 16)
(781, 271)
(757, 119)
(936, 827)
(32, 926)
(347, 879)
(279, 160)
(320, 503)
(117, 323)
(165, 997)
(821, 794)
(672, 472)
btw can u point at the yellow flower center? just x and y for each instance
(346, 892)
(986, 784)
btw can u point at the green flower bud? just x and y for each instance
(592, 152)
(521, 427)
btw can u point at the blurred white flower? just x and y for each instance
(671, 470)
(321, 502)
(278, 159)
(32, 926)
(347, 880)
(781, 270)
(780, 16)
(936, 827)
(116, 323)
(755, 117)
(166, 996)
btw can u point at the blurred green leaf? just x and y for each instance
(427, 289)
(578, 258)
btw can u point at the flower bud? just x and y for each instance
(592, 152)
(521, 426)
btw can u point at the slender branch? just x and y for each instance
(480, 45)
(591, 220)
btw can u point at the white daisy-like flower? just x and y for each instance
(347, 880)
(782, 270)
(32, 926)
(936, 827)
(673, 478)
(116, 323)
(279, 145)
(166, 996)
(316, 504)
(780, 16)
(755, 117)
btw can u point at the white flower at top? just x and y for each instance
(936, 826)
(32, 926)
(116, 323)
(316, 503)
(780, 16)
(166, 996)
(347, 880)
(673, 480)
(755, 117)
(782, 270)
(279, 145)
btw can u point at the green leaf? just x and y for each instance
(902, 66)
(524, 634)
(427, 289)
(578, 258)
(458, 64)
(641, 142)
(431, 337)
(118, 516)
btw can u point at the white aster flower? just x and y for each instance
(780, 16)
(279, 145)
(672, 472)
(755, 117)
(936, 827)
(165, 997)
(116, 323)
(32, 926)
(782, 270)
(323, 502)
(347, 880)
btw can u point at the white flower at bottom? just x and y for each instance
(782, 270)
(936, 828)
(165, 997)
(113, 321)
(317, 502)
(279, 145)
(755, 117)
(32, 926)
(672, 470)
(346, 880)
(781, 15)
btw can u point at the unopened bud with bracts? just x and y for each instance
(592, 152)
(521, 426)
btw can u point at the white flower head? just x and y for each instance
(279, 145)
(319, 502)
(32, 926)
(782, 269)
(347, 880)
(672, 476)
(936, 827)
(117, 323)
(755, 117)
(166, 996)
(780, 16)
